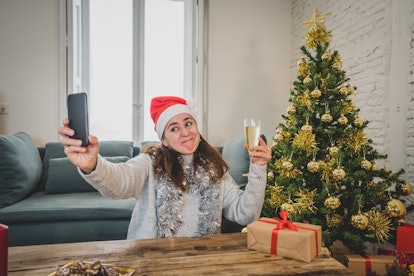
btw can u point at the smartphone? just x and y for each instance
(78, 116)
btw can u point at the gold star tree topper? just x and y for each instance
(317, 19)
(317, 33)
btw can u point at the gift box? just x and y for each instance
(296, 240)
(4, 240)
(367, 265)
(405, 241)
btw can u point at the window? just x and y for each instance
(122, 53)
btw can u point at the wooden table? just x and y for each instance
(224, 254)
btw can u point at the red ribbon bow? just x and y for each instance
(284, 222)
(281, 224)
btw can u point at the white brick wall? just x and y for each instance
(358, 32)
(364, 32)
(410, 109)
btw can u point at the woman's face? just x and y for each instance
(181, 134)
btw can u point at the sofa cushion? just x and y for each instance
(106, 149)
(41, 207)
(237, 158)
(116, 148)
(63, 176)
(33, 233)
(20, 167)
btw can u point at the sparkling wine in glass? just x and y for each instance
(252, 132)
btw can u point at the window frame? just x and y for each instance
(74, 63)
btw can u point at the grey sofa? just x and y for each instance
(43, 199)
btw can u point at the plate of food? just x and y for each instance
(95, 268)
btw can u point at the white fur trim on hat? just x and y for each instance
(167, 114)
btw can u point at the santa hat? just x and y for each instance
(164, 108)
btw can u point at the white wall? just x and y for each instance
(248, 59)
(29, 67)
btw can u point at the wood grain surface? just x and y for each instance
(224, 254)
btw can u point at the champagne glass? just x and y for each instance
(251, 132)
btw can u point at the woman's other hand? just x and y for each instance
(260, 154)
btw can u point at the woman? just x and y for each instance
(182, 186)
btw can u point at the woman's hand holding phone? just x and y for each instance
(83, 157)
(81, 148)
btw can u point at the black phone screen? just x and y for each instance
(78, 116)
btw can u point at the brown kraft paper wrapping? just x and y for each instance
(361, 265)
(303, 244)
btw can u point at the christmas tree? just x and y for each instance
(324, 169)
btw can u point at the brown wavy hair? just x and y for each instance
(166, 162)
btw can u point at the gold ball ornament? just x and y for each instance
(338, 174)
(316, 93)
(288, 207)
(326, 118)
(313, 166)
(358, 122)
(343, 120)
(395, 209)
(307, 128)
(287, 166)
(291, 109)
(359, 221)
(307, 80)
(278, 138)
(333, 150)
(270, 175)
(332, 202)
(404, 188)
(366, 165)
